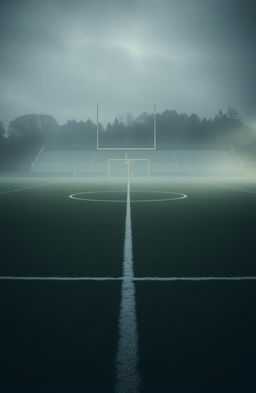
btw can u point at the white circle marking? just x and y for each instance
(175, 196)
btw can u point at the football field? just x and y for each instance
(116, 286)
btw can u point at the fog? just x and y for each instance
(62, 57)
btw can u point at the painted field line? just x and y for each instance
(127, 374)
(210, 278)
(175, 196)
(58, 278)
(231, 188)
(77, 278)
(26, 188)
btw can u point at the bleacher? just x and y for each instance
(162, 162)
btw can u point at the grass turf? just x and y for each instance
(58, 336)
(197, 337)
(62, 336)
(211, 233)
(46, 233)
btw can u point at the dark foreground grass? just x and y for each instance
(197, 337)
(58, 337)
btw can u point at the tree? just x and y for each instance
(33, 127)
(77, 133)
(2, 130)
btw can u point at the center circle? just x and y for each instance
(162, 196)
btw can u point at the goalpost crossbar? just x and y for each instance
(128, 161)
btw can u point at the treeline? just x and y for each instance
(26, 134)
(20, 143)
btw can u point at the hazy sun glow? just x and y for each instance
(135, 48)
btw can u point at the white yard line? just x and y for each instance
(26, 188)
(58, 278)
(77, 278)
(210, 278)
(128, 380)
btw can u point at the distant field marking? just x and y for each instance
(177, 196)
(59, 278)
(26, 188)
(231, 188)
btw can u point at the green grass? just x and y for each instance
(46, 233)
(197, 337)
(211, 233)
(58, 335)
(62, 336)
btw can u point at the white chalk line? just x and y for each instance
(230, 188)
(189, 278)
(210, 278)
(175, 196)
(58, 278)
(26, 188)
(127, 374)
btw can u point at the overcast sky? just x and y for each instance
(62, 57)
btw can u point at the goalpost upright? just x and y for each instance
(126, 148)
(127, 160)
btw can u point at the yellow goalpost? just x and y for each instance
(126, 160)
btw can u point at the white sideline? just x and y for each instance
(26, 188)
(230, 188)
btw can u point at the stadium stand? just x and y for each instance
(162, 162)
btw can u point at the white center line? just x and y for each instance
(128, 380)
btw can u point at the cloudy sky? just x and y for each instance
(62, 57)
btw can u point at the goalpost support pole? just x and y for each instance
(155, 126)
(129, 148)
(97, 127)
(129, 162)
(108, 168)
(148, 168)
